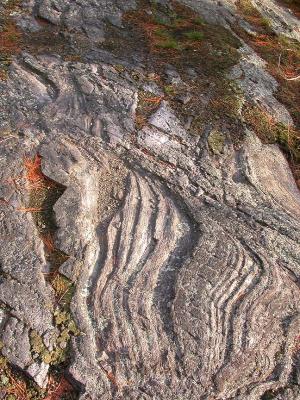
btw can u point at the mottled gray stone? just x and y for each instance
(165, 119)
(186, 262)
(16, 345)
(39, 373)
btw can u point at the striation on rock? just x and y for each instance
(179, 227)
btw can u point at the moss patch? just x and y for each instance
(282, 55)
(194, 35)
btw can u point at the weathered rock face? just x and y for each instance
(183, 248)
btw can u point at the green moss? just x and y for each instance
(216, 142)
(57, 356)
(265, 22)
(270, 131)
(16, 385)
(194, 35)
(247, 7)
(66, 328)
(162, 21)
(198, 125)
(170, 90)
(228, 100)
(44, 198)
(211, 52)
(61, 317)
(3, 362)
(11, 4)
(38, 347)
(252, 15)
(199, 21)
(56, 258)
(64, 289)
(282, 55)
(169, 44)
(162, 33)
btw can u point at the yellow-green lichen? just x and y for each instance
(37, 345)
(216, 141)
(64, 289)
(66, 328)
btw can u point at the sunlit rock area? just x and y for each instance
(149, 199)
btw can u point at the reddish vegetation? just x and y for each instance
(48, 242)
(282, 55)
(30, 209)
(155, 100)
(10, 39)
(56, 390)
(34, 174)
(283, 62)
(18, 387)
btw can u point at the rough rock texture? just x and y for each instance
(186, 260)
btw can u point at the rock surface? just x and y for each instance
(186, 260)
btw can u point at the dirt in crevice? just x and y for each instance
(43, 194)
(10, 37)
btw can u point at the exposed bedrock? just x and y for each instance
(177, 295)
(183, 248)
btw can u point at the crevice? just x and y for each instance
(43, 195)
(42, 77)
